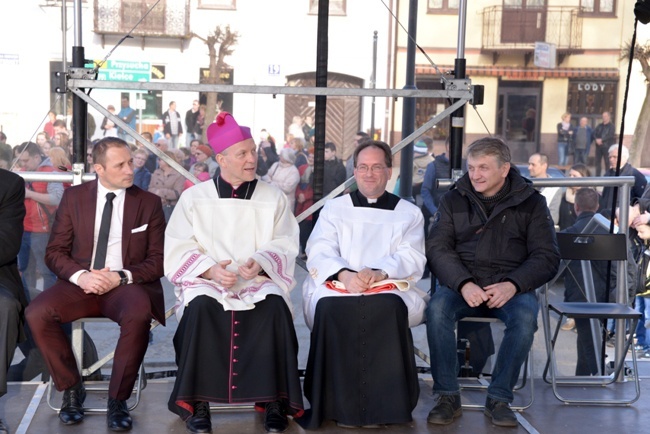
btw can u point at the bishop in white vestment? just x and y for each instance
(230, 250)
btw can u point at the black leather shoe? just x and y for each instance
(4, 429)
(275, 417)
(500, 413)
(72, 407)
(118, 417)
(446, 409)
(200, 421)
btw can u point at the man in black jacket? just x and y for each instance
(12, 295)
(604, 136)
(492, 244)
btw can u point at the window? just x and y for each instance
(442, 6)
(598, 7)
(337, 7)
(132, 12)
(218, 4)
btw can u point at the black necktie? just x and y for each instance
(104, 230)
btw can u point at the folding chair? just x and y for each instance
(587, 247)
(482, 383)
(78, 350)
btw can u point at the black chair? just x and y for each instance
(587, 247)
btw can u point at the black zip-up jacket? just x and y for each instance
(515, 243)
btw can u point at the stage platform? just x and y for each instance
(26, 411)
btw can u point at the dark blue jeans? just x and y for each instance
(519, 315)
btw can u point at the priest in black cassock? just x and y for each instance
(365, 255)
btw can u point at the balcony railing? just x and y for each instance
(509, 29)
(169, 19)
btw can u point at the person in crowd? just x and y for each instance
(582, 138)
(604, 136)
(204, 154)
(285, 175)
(564, 138)
(492, 244)
(167, 184)
(45, 146)
(567, 210)
(267, 149)
(185, 157)
(128, 115)
(191, 118)
(298, 147)
(334, 170)
(626, 169)
(41, 201)
(60, 126)
(642, 298)
(141, 175)
(359, 137)
(295, 129)
(60, 162)
(361, 345)
(305, 199)
(201, 172)
(12, 294)
(62, 140)
(586, 206)
(421, 158)
(538, 168)
(49, 126)
(41, 138)
(173, 127)
(159, 133)
(107, 126)
(106, 249)
(232, 289)
(439, 168)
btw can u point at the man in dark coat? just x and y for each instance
(492, 244)
(12, 295)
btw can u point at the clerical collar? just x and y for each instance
(386, 201)
(226, 190)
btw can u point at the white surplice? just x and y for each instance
(352, 237)
(205, 229)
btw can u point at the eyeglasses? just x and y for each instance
(363, 169)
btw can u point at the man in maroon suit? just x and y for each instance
(106, 248)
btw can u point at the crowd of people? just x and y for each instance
(229, 246)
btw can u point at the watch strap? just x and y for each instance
(123, 277)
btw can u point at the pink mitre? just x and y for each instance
(226, 132)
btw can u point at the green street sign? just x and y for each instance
(121, 70)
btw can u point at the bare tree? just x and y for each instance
(642, 54)
(224, 39)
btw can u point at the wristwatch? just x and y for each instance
(384, 275)
(123, 278)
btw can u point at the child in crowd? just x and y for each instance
(201, 172)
